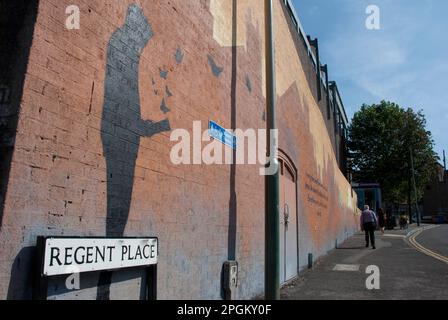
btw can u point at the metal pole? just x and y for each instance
(415, 187)
(272, 214)
(40, 289)
(409, 191)
(444, 167)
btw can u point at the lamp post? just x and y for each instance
(272, 214)
(415, 186)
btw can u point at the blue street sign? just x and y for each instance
(219, 133)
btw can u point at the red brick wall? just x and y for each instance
(58, 179)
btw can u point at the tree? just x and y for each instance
(381, 139)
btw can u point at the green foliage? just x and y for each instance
(380, 139)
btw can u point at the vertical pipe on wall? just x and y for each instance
(233, 197)
(415, 186)
(272, 215)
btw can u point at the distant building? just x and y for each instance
(368, 194)
(435, 198)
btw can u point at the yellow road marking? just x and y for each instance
(419, 247)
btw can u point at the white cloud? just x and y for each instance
(385, 87)
(313, 10)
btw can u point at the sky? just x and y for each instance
(405, 61)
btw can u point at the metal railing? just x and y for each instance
(301, 32)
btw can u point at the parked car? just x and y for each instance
(440, 219)
(427, 219)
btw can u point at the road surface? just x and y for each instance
(413, 264)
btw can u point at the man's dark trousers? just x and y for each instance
(369, 229)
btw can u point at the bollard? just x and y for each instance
(310, 261)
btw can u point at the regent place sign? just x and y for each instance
(64, 256)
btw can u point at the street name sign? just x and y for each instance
(221, 134)
(64, 256)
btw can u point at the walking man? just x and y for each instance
(369, 223)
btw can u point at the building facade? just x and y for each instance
(435, 197)
(88, 116)
(369, 194)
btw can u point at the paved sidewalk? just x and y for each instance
(405, 272)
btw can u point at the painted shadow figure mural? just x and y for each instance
(122, 125)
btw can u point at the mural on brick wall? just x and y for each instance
(206, 65)
(324, 214)
(122, 125)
